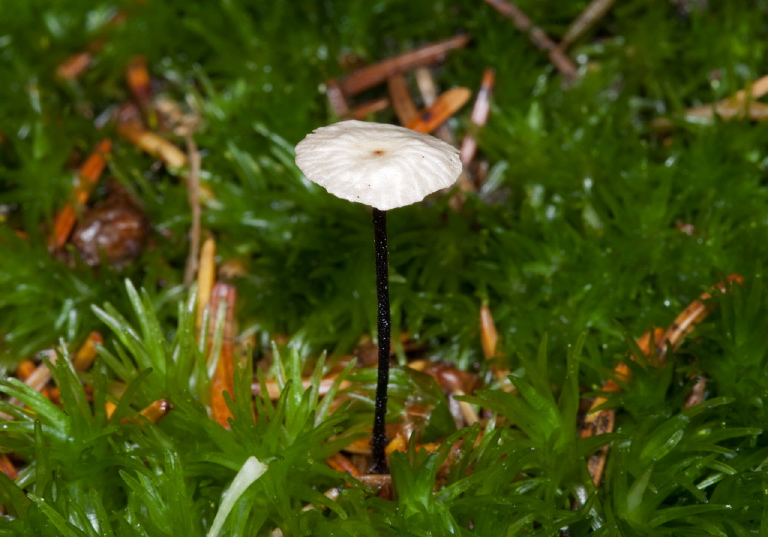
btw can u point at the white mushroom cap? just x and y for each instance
(381, 165)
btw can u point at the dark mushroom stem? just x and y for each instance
(379, 437)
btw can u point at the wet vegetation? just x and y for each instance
(601, 205)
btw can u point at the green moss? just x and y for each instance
(572, 241)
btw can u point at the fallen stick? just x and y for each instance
(364, 110)
(595, 11)
(373, 75)
(193, 195)
(538, 37)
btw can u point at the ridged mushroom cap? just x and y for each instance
(384, 166)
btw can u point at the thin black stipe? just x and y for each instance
(379, 437)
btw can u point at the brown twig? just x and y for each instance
(193, 194)
(538, 37)
(364, 110)
(595, 11)
(375, 74)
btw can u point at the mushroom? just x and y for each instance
(386, 167)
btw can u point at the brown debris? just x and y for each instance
(206, 276)
(428, 90)
(376, 74)
(87, 352)
(154, 412)
(742, 105)
(115, 230)
(224, 378)
(138, 80)
(339, 462)
(336, 98)
(154, 144)
(489, 336)
(193, 195)
(538, 37)
(479, 116)
(88, 176)
(595, 11)
(75, 65)
(273, 387)
(364, 110)
(444, 107)
(400, 97)
(698, 390)
(651, 344)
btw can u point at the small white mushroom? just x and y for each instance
(383, 166)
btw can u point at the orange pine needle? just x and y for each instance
(74, 66)
(340, 463)
(25, 369)
(154, 412)
(444, 107)
(489, 336)
(7, 467)
(224, 377)
(273, 389)
(398, 443)
(87, 352)
(155, 145)
(602, 421)
(206, 275)
(89, 175)
(138, 80)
